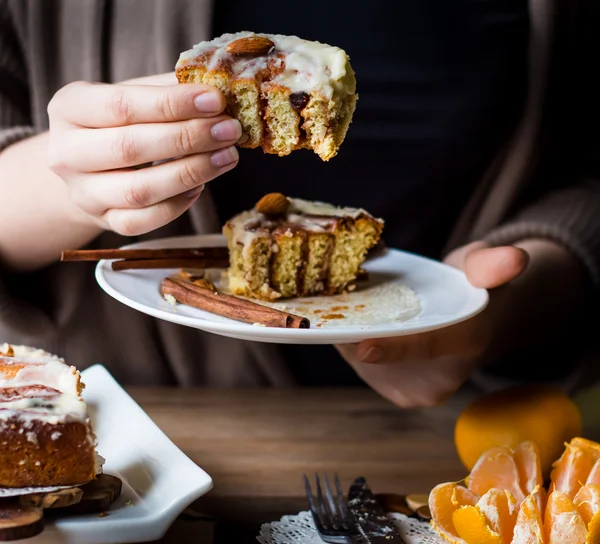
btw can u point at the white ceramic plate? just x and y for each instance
(384, 306)
(159, 480)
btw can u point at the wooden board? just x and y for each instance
(24, 516)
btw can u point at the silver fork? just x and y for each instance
(333, 520)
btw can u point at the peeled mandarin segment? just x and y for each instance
(527, 458)
(587, 502)
(528, 528)
(472, 527)
(572, 469)
(444, 500)
(594, 476)
(448, 537)
(594, 531)
(586, 444)
(562, 522)
(461, 496)
(496, 468)
(498, 509)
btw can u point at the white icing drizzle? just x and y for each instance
(308, 207)
(309, 66)
(311, 216)
(42, 370)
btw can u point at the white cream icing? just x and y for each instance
(309, 65)
(309, 207)
(312, 216)
(309, 215)
(41, 369)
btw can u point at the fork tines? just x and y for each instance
(330, 513)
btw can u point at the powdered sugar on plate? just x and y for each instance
(385, 302)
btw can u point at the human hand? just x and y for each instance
(425, 369)
(101, 135)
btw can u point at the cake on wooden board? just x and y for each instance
(46, 436)
(288, 247)
(287, 93)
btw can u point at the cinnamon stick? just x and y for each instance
(218, 253)
(137, 264)
(229, 306)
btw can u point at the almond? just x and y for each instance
(251, 45)
(417, 501)
(273, 204)
(205, 284)
(7, 351)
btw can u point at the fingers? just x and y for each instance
(467, 339)
(168, 78)
(414, 384)
(123, 105)
(101, 135)
(123, 147)
(348, 352)
(457, 257)
(140, 221)
(144, 187)
(490, 268)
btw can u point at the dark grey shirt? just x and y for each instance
(441, 85)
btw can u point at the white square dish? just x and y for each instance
(159, 480)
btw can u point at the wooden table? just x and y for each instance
(257, 443)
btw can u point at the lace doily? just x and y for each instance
(300, 529)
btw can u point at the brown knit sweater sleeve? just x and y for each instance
(15, 115)
(17, 313)
(569, 216)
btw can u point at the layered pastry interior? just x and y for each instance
(46, 436)
(288, 247)
(288, 93)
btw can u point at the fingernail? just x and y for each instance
(208, 102)
(223, 157)
(243, 138)
(193, 193)
(373, 355)
(227, 130)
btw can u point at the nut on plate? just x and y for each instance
(7, 350)
(251, 45)
(205, 284)
(273, 204)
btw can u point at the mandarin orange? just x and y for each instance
(529, 528)
(562, 522)
(587, 501)
(542, 414)
(444, 500)
(575, 466)
(516, 471)
(505, 501)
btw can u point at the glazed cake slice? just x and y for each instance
(46, 436)
(287, 247)
(288, 93)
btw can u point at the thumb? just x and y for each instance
(492, 267)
